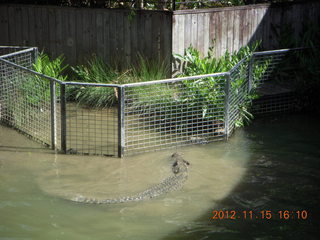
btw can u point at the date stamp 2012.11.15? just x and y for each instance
(259, 215)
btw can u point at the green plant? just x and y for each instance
(36, 89)
(206, 93)
(51, 67)
(300, 69)
(97, 71)
(193, 64)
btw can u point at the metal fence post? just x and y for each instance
(250, 73)
(63, 118)
(35, 54)
(53, 114)
(226, 106)
(121, 130)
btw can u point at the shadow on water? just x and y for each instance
(282, 175)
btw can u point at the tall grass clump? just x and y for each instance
(97, 71)
(157, 94)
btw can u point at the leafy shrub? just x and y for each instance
(97, 71)
(36, 88)
(51, 67)
(207, 91)
(300, 69)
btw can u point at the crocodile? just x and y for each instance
(171, 183)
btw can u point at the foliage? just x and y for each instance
(146, 70)
(51, 67)
(149, 4)
(36, 88)
(144, 96)
(208, 91)
(301, 69)
(97, 71)
(194, 64)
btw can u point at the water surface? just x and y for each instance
(271, 165)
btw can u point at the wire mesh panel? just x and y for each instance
(21, 56)
(164, 114)
(4, 50)
(277, 103)
(264, 65)
(238, 94)
(25, 101)
(91, 126)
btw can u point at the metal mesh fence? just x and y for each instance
(25, 98)
(164, 114)
(277, 103)
(269, 69)
(264, 65)
(21, 56)
(90, 129)
(112, 120)
(238, 93)
(4, 50)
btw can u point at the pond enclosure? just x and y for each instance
(147, 116)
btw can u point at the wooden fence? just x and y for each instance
(119, 35)
(116, 35)
(234, 27)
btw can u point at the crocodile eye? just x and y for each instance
(186, 162)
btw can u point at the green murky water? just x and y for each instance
(272, 165)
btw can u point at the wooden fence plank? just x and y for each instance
(200, 33)
(71, 37)
(181, 43)
(25, 28)
(11, 23)
(212, 30)
(194, 30)
(230, 26)
(18, 29)
(127, 39)
(134, 38)
(224, 33)
(187, 33)
(166, 38)
(99, 34)
(4, 26)
(106, 37)
(236, 32)
(147, 35)
(206, 33)
(218, 42)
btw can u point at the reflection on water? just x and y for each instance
(271, 165)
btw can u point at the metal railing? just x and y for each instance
(146, 116)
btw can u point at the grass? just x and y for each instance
(97, 71)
